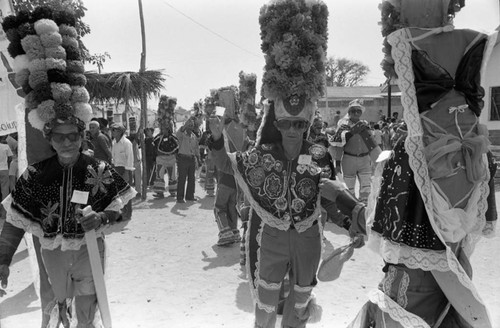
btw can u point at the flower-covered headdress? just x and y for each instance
(166, 108)
(49, 67)
(294, 40)
(227, 97)
(209, 103)
(398, 14)
(247, 91)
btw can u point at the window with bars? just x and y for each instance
(495, 104)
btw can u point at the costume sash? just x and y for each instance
(454, 281)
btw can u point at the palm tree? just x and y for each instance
(127, 87)
(123, 86)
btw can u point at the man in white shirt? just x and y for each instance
(5, 158)
(123, 160)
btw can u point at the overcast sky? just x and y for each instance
(204, 44)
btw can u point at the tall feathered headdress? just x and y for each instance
(294, 40)
(49, 67)
(166, 108)
(247, 91)
(294, 36)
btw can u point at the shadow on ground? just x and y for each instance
(19, 303)
(225, 256)
(19, 256)
(244, 298)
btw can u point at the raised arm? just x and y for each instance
(222, 161)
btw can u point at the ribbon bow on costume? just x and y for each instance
(439, 155)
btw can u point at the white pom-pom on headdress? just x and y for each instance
(83, 111)
(35, 120)
(44, 26)
(21, 62)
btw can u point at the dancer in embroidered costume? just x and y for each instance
(49, 196)
(280, 176)
(166, 146)
(434, 197)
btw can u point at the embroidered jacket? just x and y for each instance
(282, 192)
(166, 144)
(41, 202)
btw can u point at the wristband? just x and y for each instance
(104, 218)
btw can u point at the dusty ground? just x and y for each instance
(165, 270)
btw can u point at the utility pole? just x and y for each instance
(389, 96)
(144, 108)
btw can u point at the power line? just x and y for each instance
(211, 31)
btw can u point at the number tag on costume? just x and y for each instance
(384, 155)
(80, 197)
(305, 160)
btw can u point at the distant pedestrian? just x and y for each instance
(123, 160)
(150, 154)
(100, 142)
(5, 158)
(187, 160)
(166, 147)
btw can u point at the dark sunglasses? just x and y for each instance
(286, 124)
(60, 137)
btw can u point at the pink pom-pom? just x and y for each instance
(30, 100)
(37, 79)
(75, 66)
(53, 63)
(46, 111)
(50, 40)
(31, 42)
(68, 30)
(56, 52)
(35, 120)
(45, 26)
(83, 111)
(37, 65)
(61, 92)
(68, 41)
(33, 47)
(80, 95)
(22, 77)
(21, 62)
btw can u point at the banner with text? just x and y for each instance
(10, 92)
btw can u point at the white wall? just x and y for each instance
(491, 78)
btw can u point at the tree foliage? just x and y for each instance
(76, 6)
(344, 72)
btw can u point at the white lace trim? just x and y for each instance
(258, 281)
(247, 258)
(305, 289)
(397, 313)
(401, 52)
(305, 304)
(269, 285)
(20, 221)
(374, 193)
(267, 217)
(265, 307)
(403, 288)
(414, 258)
